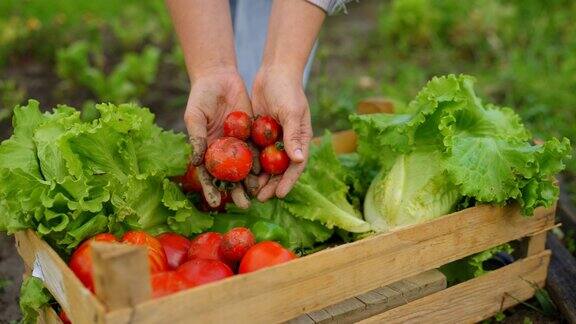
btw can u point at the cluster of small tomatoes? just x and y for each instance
(248, 146)
(177, 263)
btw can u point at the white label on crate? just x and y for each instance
(37, 269)
(51, 276)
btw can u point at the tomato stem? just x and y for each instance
(280, 145)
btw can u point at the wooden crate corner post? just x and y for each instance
(121, 275)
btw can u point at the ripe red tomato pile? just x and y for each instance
(177, 263)
(231, 159)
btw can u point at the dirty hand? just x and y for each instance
(279, 92)
(213, 96)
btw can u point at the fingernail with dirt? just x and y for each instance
(211, 193)
(199, 148)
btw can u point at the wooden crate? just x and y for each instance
(311, 283)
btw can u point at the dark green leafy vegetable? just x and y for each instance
(447, 145)
(69, 179)
(33, 296)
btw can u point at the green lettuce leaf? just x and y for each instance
(479, 151)
(472, 266)
(33, 296)
(69, 179)
(321, 192)
(301, 233)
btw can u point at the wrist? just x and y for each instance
(282, 70)
(212, 70)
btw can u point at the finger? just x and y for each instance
(269, 189)
(289, 178)
(294, 138)
(294, 171)
(256, 168)
(196, 124)
(239, 196)
(198, 150)
(263, 180)
(211, 193)
(251, 184)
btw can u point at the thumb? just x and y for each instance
(196, 125)
(294, 140)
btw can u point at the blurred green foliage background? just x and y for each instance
(523, 53)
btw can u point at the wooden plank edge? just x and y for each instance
(561, 283)
(325, 269)
(121, 274)
(475, 299)
(49, 316)
(79, 303)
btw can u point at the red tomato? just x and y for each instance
(206, 246)
(274, 159)
(201, 271)
(190, 181)
(228, 159)
(175, 247)
(265, 131)
(166, 283)
(63, 317)
(81, 260)
(236, 243)
(237, 124)
(225, 198)
(265, 254)
(156, 256)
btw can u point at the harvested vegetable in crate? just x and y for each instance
(447, 146)
(70, 179)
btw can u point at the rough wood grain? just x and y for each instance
(121, 275)
(324, 278)
(373, 302)
(79, 303)
(47, 315)
(476, 299)
(561, 282)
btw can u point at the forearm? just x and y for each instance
(293, 29)
(205, 32)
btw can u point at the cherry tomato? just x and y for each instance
(264, 254)
(235, 243)
(168, 282)
(228, 159)
(201, 271)
(237, 124)
(81, 260)
(156, 256)
(206, 246)
(274, 159)
(190, 181)
(265, 131)
(225, 198)
(63, 317)
(175, 247)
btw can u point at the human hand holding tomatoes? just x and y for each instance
(214, 95)
(279, 93)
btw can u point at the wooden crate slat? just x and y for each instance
(476, 299)
(121, 275)
(372, 302)
(329, 276)
(79, 303)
